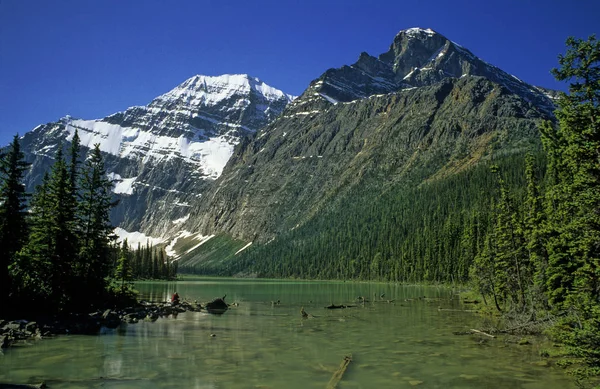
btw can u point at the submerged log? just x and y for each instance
(333, 306)
(339, 373)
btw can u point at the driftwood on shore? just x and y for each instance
(339, 373)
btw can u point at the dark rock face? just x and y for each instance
(417, 57)
(165, 154)
(301, 162)
(424, 109)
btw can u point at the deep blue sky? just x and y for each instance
(91, 58)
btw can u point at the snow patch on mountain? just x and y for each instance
(171, 249)
(122, 185)
(135, 238)
(209, 156)
(419, 30)
(243, 248)
(181, 220)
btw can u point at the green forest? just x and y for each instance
(59, 253)
(522, 228)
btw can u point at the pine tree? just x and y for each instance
(51, 250)
(94, 224)
(124, 272)
(32, 271)
(74, 161)
(13, 214)
(572, 201)
(64, 239)
(534, 234)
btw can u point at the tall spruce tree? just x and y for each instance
(32, 271)
(124, 271)
(573, 203)
(57, 231)
(71, 199)
(485, 268)
(64, 240)
(95, 229)
(13, 214)
(533, 233)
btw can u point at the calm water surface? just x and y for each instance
(404, 344)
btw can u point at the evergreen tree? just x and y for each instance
(124, 272)
(573, 203)
(13, 214)
(534, 234)
(74, 161)
(62, 230)
(51, 249)
(94, 224)
(484, 271)
(32, 272)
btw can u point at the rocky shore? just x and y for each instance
(13, 332)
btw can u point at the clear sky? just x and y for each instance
(91, 58)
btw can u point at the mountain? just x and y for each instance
(423, 112)
(164, 155)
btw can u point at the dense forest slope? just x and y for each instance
(422, 113)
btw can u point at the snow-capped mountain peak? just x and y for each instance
(211, 90)
(416, 31)
(168, 151)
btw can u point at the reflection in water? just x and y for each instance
(259, 344)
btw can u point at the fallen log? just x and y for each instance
(339, 373)
(482, 333)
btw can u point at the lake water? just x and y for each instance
(404, 344)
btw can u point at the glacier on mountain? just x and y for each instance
(164, 155)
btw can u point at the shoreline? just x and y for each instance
(13, 332)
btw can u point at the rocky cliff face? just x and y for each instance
(169, 152)
(417, 57)
(424, 109)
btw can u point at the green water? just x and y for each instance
(403, 344)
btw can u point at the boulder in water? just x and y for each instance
(218, 306)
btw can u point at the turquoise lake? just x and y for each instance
(401, 344)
